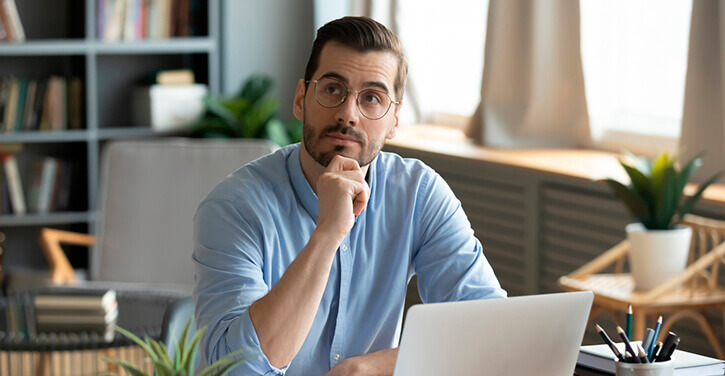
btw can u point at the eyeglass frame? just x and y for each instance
(357, 104)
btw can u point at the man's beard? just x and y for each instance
(313, 141)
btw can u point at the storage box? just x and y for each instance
(168, 107)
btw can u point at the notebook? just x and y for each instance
(600, 357)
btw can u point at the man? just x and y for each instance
(305, 255)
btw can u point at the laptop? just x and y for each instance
(527, 335)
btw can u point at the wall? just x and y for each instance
(273, 37)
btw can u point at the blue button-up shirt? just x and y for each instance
(251, 227)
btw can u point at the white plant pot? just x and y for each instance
(655, 256)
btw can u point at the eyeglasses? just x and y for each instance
(372, 103)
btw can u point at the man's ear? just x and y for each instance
(394, 130)
(298, 107)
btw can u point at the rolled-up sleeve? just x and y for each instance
(229, 278)
(449, 261)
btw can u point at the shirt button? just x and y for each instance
(336, 357)
(344, 247)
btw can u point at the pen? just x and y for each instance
(675, 342)
(654, 339)
(629, 322)
(609, 343)
(627, 345)
(662, 356)
(642, 354)
(648, 340)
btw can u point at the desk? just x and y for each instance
(141, 313)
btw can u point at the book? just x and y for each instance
(17, 198)
(74, 318)
(29, 106)
(11, 105)
(14, 31)
(600, 357)
(50, 165)
(80, 299)
(22, 96)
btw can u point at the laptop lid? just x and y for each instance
(527, 335)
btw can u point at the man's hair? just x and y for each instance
(362, 34)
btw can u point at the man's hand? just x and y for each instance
(381, 363)
(342, 194)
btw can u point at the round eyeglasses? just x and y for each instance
(372, 103)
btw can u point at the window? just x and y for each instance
(634, 55)
(444, 42)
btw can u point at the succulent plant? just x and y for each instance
(655, 192)
(182, 362)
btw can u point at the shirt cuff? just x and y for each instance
(243, 329)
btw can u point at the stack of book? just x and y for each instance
(77, 312)
(49, 189)
(131, 20)
(53, 104)
(11, 29)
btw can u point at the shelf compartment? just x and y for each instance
(35, 219)
(157, 46)
(77, 135)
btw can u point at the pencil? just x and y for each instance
(629, 322)
(627, 345)
(642, 354)
(651, 349)
(609, 343)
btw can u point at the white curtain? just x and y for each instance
(532, 94)
(703, 118)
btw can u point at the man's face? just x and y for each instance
(343, 130)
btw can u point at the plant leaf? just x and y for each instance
(633, 202)
(181, 344)
(163, 369)
(642, 186)
(658, 169)
(687, 171)
(666, 201)
(255, 88)
(231, 359)
(641, 163)
(277, 132)
(189, 360)
(138, 341)
(162, 355)
(216, 107)
(130, 368)
(692, 200)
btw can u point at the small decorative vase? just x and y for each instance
(655, 256)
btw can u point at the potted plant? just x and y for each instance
(181, 363)
(659, 243)
(249, 114)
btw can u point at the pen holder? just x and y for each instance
(647, 369)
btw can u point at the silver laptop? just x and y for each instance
(528, 335)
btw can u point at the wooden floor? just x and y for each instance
(70, 363)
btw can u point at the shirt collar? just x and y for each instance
(302, 188)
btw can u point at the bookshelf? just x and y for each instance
(61, 40)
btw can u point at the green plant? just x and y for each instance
(655, 193)
(249, 114)
(184, 357)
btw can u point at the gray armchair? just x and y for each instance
(149, 193)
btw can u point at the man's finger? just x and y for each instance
(340, 163)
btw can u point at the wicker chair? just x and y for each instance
(699, 288)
